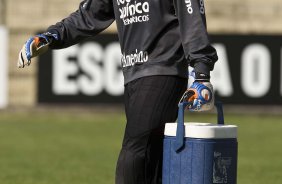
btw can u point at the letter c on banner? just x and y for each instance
(256, 70)
(113, 78)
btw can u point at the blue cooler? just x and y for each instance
(200, 153)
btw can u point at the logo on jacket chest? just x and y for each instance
(137, 58)
(133, 11)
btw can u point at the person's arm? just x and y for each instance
(92, 17)
(199, 52)
(192, 21)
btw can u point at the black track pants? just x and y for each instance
(150, 102)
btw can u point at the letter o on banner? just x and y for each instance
(256, 70)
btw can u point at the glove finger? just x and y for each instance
(185, 96)
(191, 95)
(29, 48)
(43, 38)
(22, 59)
(196, 106)
(41, 41)
(40, 45)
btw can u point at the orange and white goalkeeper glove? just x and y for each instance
(199, 95)
(35, 46)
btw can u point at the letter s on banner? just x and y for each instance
(89, 57)
(256, 70)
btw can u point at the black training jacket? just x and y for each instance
(157, 37)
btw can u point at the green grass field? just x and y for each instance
(82, 148)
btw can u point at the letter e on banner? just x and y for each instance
(62, 69)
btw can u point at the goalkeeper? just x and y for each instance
(158, 39)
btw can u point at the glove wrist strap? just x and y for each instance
(51, 36)
(201, 77)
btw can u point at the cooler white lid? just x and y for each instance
(203, 130)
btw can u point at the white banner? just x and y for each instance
(3, 67)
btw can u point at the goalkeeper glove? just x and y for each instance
(35, 46)
(200, 94)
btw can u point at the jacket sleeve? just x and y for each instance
(92, 17)
(192, 20)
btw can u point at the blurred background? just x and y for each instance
(60, 122)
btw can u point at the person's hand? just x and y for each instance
(199, 96)
(35, 46)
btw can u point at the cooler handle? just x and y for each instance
(180, 132)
